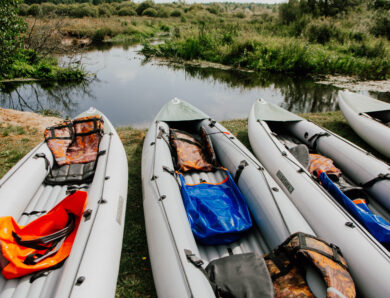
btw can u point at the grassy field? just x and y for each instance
(135, 277)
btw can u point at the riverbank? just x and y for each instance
(135, 277)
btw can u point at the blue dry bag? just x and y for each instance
(217, 212)
(375, 224)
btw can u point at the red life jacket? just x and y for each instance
(43, 243)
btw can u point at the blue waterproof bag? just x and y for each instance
(375, 224)
(217, 212)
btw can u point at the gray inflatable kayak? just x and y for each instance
(92, 267)
(273, 134)
(168, 230)
(369, 118)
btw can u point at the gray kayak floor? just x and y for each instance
(43, 200)
(252, 241)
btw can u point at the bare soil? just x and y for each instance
(27, 119)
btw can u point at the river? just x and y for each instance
(131, 90)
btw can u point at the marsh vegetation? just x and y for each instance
(301, 37)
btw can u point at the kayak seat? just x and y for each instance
(71, 174)
(75, 141)
(75, 148)
(301, 153)
(192, 153)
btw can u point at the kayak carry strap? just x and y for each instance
(314, 138)
(43, 155)
(371, 182)
(287, 262)
(240, 168)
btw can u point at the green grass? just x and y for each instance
(135, 276)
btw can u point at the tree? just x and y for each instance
(11, 29)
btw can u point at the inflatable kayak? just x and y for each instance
(176, 230)
(369, 118)
(282, 140)
(37, 183)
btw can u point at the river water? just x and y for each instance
(130, 90)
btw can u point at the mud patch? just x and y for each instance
(354, 84)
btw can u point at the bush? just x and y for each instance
(126, 11)
(369, 51)
(239, 15)
(321, 32)
(176, 13)
(150, 12)
(144, 5)
(23, 9)
(165, 28)
(162, 13)
(104, 10)
(34, 10)
(381, 25)
(84, 10)
(48, 8)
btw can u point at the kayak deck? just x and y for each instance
(44, 199)
(251, 241)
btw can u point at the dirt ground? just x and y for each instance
(27, 119)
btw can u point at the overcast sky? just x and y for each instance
(208, 1)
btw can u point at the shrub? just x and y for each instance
(126, 11)
(104, 10)
(321, 32)
(34, 10)
(369, 51)
(150, 12)
(144, 5)
(162, 13)
(165, 28)
(48, 8)
(381, 25)
(239, 15)
(176, 13)
(83, 10)
(23, 9)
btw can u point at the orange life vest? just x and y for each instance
(320, 162)
(38, 245)
(75, 141)
(285, 264)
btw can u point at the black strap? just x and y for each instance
(371, 182)
(46, 272)
(42, 242)
(241, 167)
(43, 155)
(34, 212)
(198, 262)
(314, 138)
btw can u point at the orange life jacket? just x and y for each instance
(285, 266)
(75, 141)
(39, 245)
(320, 162)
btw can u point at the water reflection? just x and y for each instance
(130, 90)
(59, 98)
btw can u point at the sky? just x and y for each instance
(208, 1)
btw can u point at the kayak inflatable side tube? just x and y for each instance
(374, 133)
